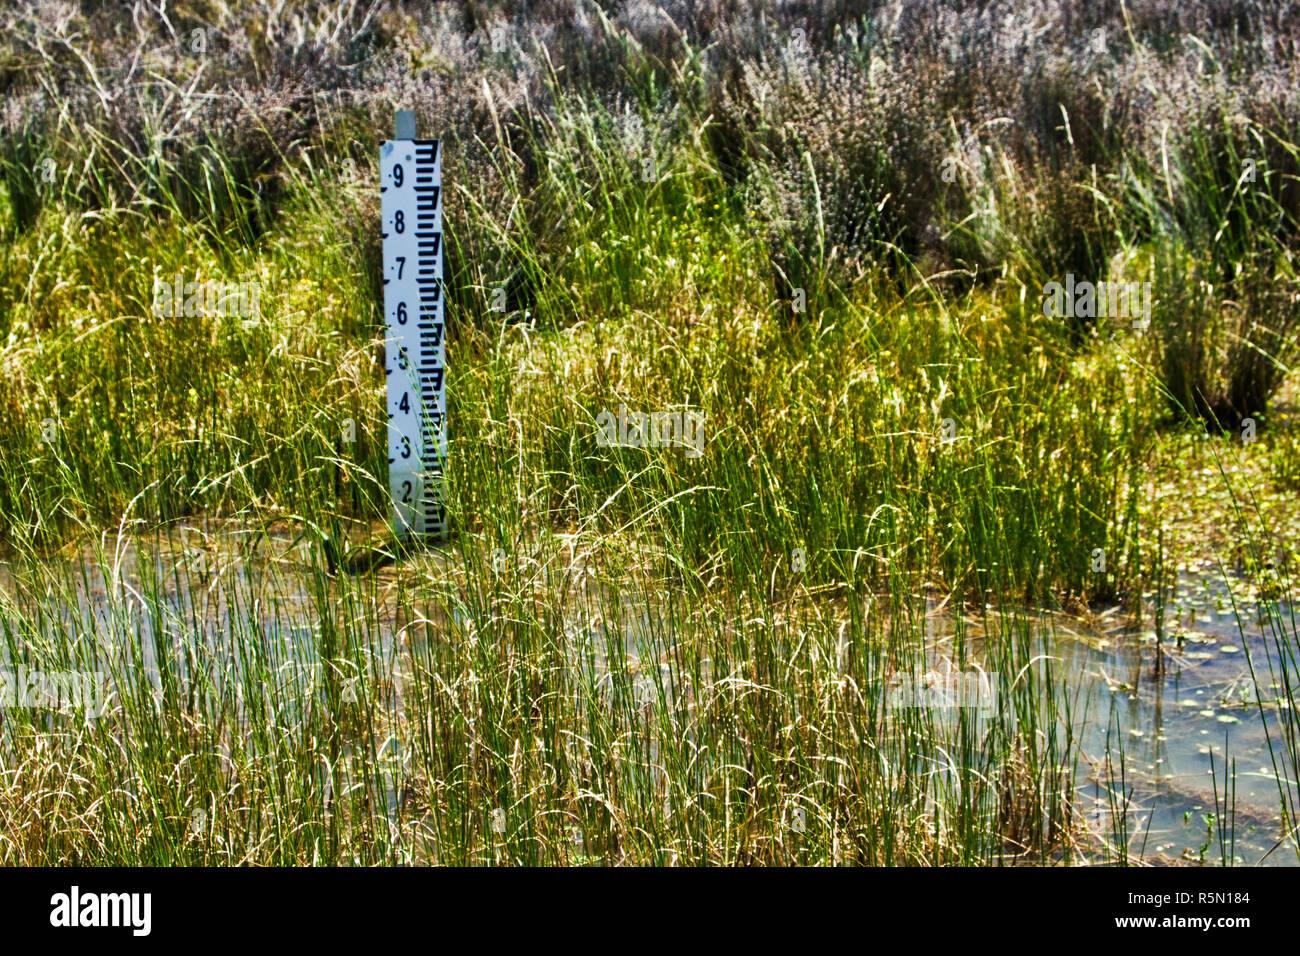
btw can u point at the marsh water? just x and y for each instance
(1186, 712)
(1182, 731)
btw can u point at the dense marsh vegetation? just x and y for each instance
(827, 227)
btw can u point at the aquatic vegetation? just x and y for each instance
(816, 259)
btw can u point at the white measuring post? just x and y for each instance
(410, 186)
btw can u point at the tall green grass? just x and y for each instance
(879, 389)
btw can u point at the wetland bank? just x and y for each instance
(917, 575)
(1088, 740)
